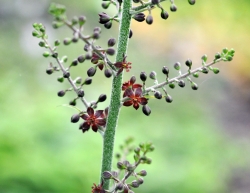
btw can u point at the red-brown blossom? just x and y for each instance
(123, 65)
(97, 189)
(95, 59)
(135, 98)
(131, 84)
(92, 119)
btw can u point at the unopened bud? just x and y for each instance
(110, 51)
(107, 175)
(91, 72)
(49, 71)
(191, 2)
(181, 83)
(168, 99)
(143, 76)
(72, 103)
(66, 74)
(75, 118)
(149, 19)
(111, 42)
(80, 93)
(152, 75)
(107, 73)
(102, 98)
(158, 95)
(177, 65)
(164, 14)
(173, 8)
(172, 85)
(81, 59)
(188, 63)
(194, 86)
(61, 93)
(88, 81)
(216, 70)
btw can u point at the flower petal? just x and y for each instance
(138, 92)
(94, 128)
(85, 127)
(136, 105)
(90, 111)
(128, 103)
(85, 116)
(136, 86)
(129, 93)
(118, 64)
(98, 113)
(100, 122)
(143, 101)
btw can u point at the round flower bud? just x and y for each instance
(102, 98)
(152, 75)
(98, 29)
(110, 51)
(107, 73)
(74, 62)
(142, 173)
(217, 56)
(66, 41)
(60, 79)
(216, 70)
(91, 72)
(137, 149)
(35, 34)
(46, 54)
(105, 5)
(81, 59)
(168, 99)
(149, 19)
(88, 56)
(61, 93)
(181, 83)
(88, 81)
(74, 20)
(96, 35)
(164, 14)
(205, 70)
(80, 93)
(49, 71)
(111, 42)
(158, 95)
(204, 58)
(119, 186)
(107, 175)
(108, 25)
(143, 76)
(146, 110)
(66, 74)
(74, 39)
(173, 8)
(72, 103)
(191, 2)
(136, 1)
(177, 65)
(130, 33)
(135, 184)
(154, 2)
(139, 17)
(55, 55)
(196, 75)
(165, 70)
(140, 180)
(120, 165)
(75, 118)
(86, 47)
(172, 85)
(194, 86)
(188, 63)
(41, 44)
(81, 20)
(225, 50)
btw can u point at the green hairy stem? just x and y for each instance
(115, 103)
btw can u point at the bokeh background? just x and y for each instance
(202, 139)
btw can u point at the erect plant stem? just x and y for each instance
(114, 107)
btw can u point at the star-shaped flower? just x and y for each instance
(95, 59)
(92, 119)
(135, 98)
(123, 65)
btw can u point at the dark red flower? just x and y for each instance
(95, 59)
(92, 119)
(97, 189)
(123, 65)
(135, 98)
(130, 84)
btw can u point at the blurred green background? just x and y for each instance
(202, 139)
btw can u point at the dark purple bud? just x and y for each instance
(110, 51)
(107, 175)
(165, 70)
(164, 14)
(168, 99)
(146, 110)
(102, 98)
(104, 18)
(61, 93)
(181, 83)
(173, 8)
(154, 2)
(49, 71)
(143, 76)
(149, 19)
(80, 93)
(191, 2)
(72, 103)
(142, 173)
(66, 41)
(135, 184)
(108, 25)
(81, 59)
(75, 118)
(188, 63)
(66, 74)
(82, 19)
(74, 62)
(91, 72)
(111, 42)
(177, 65)
(158, 95)
(139, 17)
(96, 35)
(88, 81)
(194, 86)
(108, 73)
(152, 75)
(130, 34)
(136, 1)
(88, 56)
(205, 70)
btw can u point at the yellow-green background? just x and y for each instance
(201, 139)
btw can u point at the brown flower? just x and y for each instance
(92, 119)
(131, 84)
(123, 65)
(97, 189)
(95, 59)
(135, 98)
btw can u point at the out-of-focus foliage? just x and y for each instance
(196, 149)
